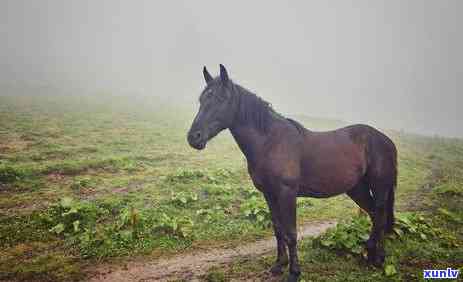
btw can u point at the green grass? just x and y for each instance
(85, 179)
(429, 237)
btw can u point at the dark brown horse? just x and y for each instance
(286, 161)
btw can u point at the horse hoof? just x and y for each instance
(371, 258)
(377, 260)
(293, 277)
(279, 265)
(276, 269)
(378, 263)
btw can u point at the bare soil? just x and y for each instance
(191, 266)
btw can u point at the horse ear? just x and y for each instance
(207, 75)
(223, 73)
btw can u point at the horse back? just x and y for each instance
(335, 161)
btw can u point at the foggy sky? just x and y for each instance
(395, 64)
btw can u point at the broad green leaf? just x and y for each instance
(59, 228)
(175, 226)
(327, 243)
(399, 232)
(364, 236)
(73, 210)
(66, 202)
(357, 249)
(390, 270)
(126, 235)
(76, 224)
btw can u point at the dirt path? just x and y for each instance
(191, 266)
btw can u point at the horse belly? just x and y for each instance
(331, 178)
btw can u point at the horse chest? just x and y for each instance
(270, 174)
(256, 178)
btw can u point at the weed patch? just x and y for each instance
(257, 211)
(9, 174)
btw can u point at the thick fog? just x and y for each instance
(394, 64)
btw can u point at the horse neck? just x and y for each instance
(248, 136)
(249, 139)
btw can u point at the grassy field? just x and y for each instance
(85, 179)
(428, 234)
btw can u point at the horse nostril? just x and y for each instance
(194, 136)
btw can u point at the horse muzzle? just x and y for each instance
(197, 139)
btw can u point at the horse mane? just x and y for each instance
(298, 126)
(253, 109)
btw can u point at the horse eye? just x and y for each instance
(209, 93)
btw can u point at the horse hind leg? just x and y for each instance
(381, 176)
(361, 195)
(375, 244)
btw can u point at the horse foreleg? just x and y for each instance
(286, 200)
(282, 255)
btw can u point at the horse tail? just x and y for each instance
(390, 212)
(390, 202)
